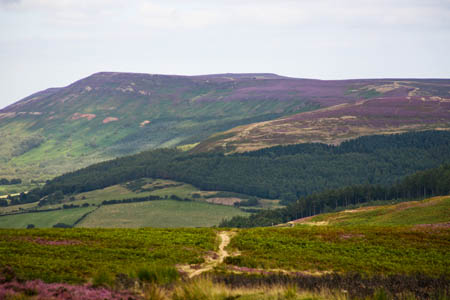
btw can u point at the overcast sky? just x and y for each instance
(51, 43)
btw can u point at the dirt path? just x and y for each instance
(216, 258)
(212, 260)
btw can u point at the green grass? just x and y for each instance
(161, 213)
(363, 249)
(164, 213)
(77, 255)
(428, 211)
(44, 219)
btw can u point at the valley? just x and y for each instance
(154, 203)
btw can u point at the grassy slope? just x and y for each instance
(163, 213)
(428, 211)
(40, 146)
(76, 255)
(363, 249)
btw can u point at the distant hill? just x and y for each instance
(399, 106)
(113, 114)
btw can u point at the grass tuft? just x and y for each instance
(158, 274)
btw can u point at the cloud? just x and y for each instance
(161, 15)
(177, 14)
(6, 2)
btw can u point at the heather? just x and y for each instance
(365, 250)
(403, 262)
(76, 255)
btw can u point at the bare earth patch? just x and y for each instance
(110, 119)
(144, 123)
(224, 201)
(77, 116)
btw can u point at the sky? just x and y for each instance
(52, 43)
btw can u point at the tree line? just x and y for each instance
(423, 184)
(5, 181)
(282, 172)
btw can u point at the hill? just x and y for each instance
(429, 211)
(113, 114)
(424, 107)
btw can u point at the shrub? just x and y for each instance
(102, 279)
(158, 274)
(62, 225)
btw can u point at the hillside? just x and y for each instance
(420, 185)
(113, 114)
(285, 172)
(429, 211)
(424, 107)
(305, 262)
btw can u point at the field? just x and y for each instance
(134, 189)
(44, 219)
(138, 188)
(161, 213)
(428, 211)
(363, 249)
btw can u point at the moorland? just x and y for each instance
(227, 186)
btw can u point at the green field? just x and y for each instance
(364, 249)
(44, 219)
(120, 191)
(428, 211)
(161, 213)
(117, 192)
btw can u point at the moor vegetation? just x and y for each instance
(77, 255)
(367, 250)
(299, 263)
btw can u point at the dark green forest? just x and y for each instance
(284, 172)
(432, 182)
